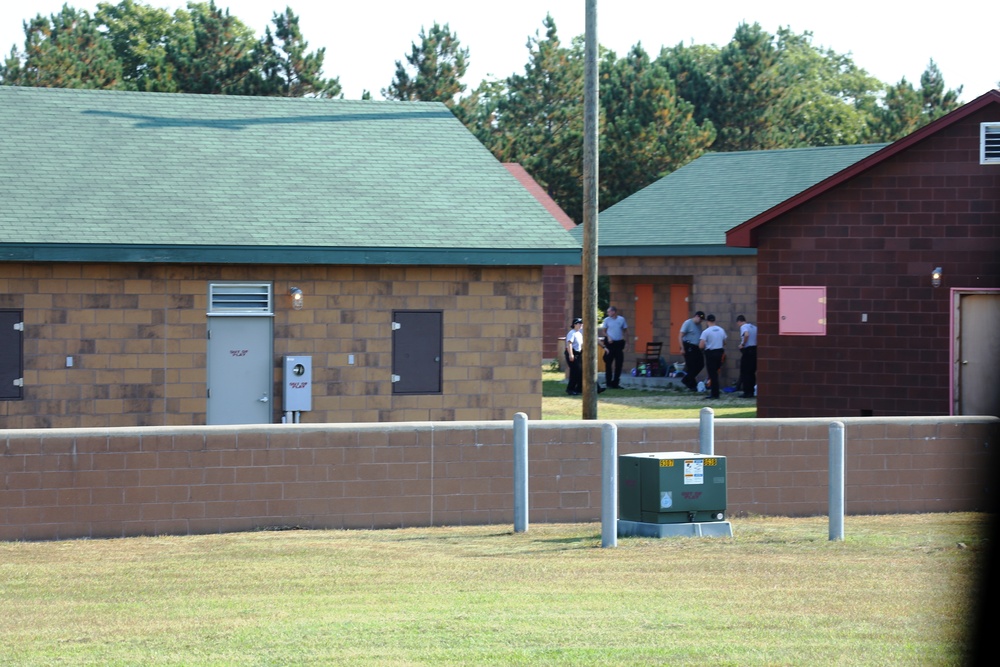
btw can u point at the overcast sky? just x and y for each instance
(363, 40)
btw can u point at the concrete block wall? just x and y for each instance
(137, 335)
(72, 483)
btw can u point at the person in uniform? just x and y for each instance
(616, 340)
(748, 358)
(713, 344)
(694, 360)
(574, 347)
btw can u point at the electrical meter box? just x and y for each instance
(297, 376)
(671, 487)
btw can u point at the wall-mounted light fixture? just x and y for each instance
(296, 298)
(936, 277)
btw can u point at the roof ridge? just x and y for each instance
(794, 149)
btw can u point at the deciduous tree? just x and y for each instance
(139, 35)
(828, 99)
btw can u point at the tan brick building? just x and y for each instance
(150, 243)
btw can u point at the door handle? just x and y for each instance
(263, 399)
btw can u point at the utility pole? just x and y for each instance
(590, 148)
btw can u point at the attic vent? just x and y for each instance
(239, 299)
(989, 144)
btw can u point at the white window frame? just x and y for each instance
(990, 132)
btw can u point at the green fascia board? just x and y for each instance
(697, 204)
(284, 255)
(673, 251)
(157, 170)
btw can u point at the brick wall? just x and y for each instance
(69, 483)
(873, 242)
(555, 324)
(136, 333)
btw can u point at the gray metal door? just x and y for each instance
(11, 356)
(978, 354)
(416, 351)
(240, 370)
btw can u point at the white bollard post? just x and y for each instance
(837, 481)
(520, 472)
(706, 431)
(609, 485)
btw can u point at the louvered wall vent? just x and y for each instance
(989, 143)
(240, 299)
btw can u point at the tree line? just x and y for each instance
(658, 111)
(200, 49)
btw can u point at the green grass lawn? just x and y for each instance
(895, 592)
(638, 403)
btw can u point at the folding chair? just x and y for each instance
(651, 360)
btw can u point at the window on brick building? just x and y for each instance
(11, 355)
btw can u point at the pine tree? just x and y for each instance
(905, 109)
(691, 68)
(288, 69)
(536, 118)
(937, 100)
(747, 92)
(433, 71)
(65, 50)
(649, 131)
(215, 53)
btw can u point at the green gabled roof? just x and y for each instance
(689, 211)
(117, 176)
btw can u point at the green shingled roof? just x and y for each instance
(116, 176)
(689, 211)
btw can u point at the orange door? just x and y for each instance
(680, 296)
(643, 317)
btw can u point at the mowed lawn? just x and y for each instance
(673, 403)
(897, 591)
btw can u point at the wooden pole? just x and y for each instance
(590, 150)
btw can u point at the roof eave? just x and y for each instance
(175, 254)
(704, 250)
(744, 235)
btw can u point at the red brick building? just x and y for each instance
(851, 321)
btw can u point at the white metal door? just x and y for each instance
(978, 355)
(240, 374)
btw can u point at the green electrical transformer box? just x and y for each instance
(671, 487)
